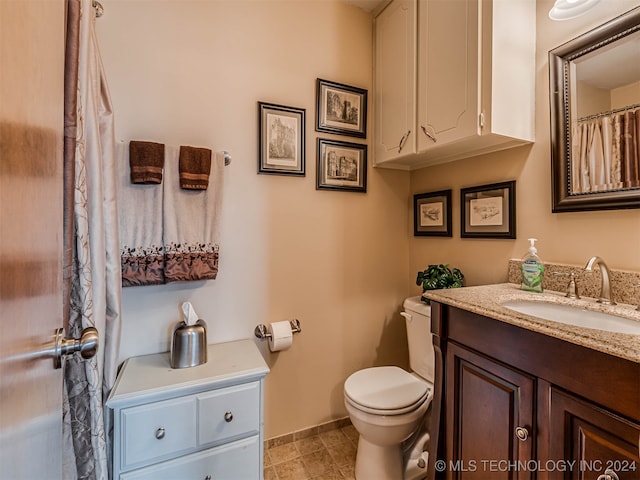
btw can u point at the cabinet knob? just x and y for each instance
(609, 475)
(522, 433)
(208, 477)
(160, 433)
(228, 416)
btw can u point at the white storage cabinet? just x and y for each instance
(203, 422)
(453, 79)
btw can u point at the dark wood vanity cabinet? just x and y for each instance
(592, 438)
(511, 403)
(488, 402)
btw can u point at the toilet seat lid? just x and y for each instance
(385, 388)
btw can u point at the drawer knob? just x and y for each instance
(522, 433)
(228, 416)
(160, 433)
(208, 477)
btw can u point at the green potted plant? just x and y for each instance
(439, 276)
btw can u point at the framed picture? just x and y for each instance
(432, 214)
(488, 211)
(281, 131)
(341, 166)
(341, 109)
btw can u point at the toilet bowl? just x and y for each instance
(387, 405)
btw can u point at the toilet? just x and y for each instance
(388, 406)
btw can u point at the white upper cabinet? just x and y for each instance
(472, 86)
(395, 80)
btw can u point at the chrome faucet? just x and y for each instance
(605, 288)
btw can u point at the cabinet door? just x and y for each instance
(591, 440)
(489, 418)
(394, 83)
(448, 72)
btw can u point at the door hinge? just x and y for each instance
(481, 120)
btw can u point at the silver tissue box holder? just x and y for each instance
(189, 345)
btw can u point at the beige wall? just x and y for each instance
(627, 95)
(563, 237)
(192, 72)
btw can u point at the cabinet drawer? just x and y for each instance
(228, 413)
(157, 430)
(233, 461)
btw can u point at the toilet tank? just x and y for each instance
(422, 357)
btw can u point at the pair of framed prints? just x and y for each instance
(486, 211)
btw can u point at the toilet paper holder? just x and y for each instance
(262, 333)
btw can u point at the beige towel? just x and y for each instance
(140, 221)
(191, 220)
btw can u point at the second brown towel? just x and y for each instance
(195, 167)
(146, 160)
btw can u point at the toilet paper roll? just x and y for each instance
(281, 336)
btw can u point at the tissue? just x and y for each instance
(189, 315)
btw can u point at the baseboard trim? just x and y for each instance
(306, 432)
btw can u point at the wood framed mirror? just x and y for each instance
(594, 83)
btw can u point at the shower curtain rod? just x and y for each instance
(99, 8)
(610, 112)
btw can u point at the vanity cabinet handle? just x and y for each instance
(160, 433)
(609, 475)
(228, 416)
(522, 433)
(208, 477)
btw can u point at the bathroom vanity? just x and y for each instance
(202, 422)
(521, 397)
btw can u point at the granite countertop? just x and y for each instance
(486, 300)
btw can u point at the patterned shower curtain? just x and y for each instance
(92, 285)
(605, 153)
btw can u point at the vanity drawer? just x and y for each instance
(157, 430)
(229, 412)
(233, 461)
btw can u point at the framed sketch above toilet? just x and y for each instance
(432, 214)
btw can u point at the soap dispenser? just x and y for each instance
(532, 269)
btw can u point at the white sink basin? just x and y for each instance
(575, 316)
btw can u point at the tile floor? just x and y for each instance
(326, 455)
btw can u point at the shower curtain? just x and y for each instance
(605, 153)
(91, 258)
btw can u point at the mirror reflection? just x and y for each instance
(604, 149)
(594, 83)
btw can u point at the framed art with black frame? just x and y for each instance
(341, 166)
(281, 139)
(432, 214)
(341, 109)
(488, 211)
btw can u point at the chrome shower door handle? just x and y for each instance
(87, 345)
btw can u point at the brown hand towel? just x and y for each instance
(146, 160)
(195, 167)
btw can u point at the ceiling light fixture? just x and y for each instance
(566, 9)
